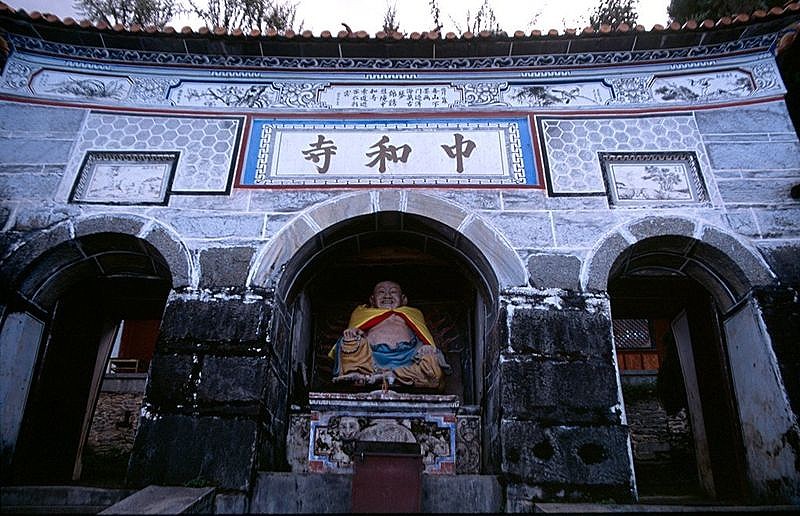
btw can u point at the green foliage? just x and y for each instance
(614, 12)
(129, 12)
(684, 10)
(247, 14)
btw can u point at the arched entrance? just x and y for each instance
(695, 385)
(60, 326)
(443, 273)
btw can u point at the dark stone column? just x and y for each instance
(211, 380)
(561, 428)
(780, 307)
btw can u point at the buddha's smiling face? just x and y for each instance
(387, 294)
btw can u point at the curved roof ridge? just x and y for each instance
(691, 25)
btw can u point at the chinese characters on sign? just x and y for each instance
(475, 152)
(324, 149)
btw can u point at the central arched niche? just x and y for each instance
(442, 273)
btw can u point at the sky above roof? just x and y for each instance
(413, 15)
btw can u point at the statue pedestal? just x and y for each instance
(339, 421)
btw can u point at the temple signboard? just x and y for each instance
(470, 152)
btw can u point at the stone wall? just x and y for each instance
(562, 430)
(663, 449)
(114, 424)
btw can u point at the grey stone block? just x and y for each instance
(657, 226)
(751, 156)
(171, 381)
(757, 191)
(176, 449)
(784, 259)
(232, 379)
(32, 150)
(235, 319)
(224, 266)
(555, 271)
(742, 221)
(231, 504)
(11, 267)
(109, 224)
(559, 333)
(238, 200)
(62, 499)
(747, 261)
(173, 252)
(296, 493)
(341, 208)
(533, 200)
(549, 389)
(166, 500)
(471, 199)
(276, 222)
(524, 229)
(600, 263)
(445, 212)
(461, 494)
(200, 224)
(507, 265)
(284, 201)
(27, 118)
(29, 186)
(583, 455)
(778, 223)
(760, 118)
(582, 228)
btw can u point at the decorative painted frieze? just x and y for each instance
(492, 151)
(338, 421)
(711, 81)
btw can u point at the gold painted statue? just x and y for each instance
(388, 341)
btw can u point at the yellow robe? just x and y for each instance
(425, 373)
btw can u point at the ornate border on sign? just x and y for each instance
(263, 169)
(125, 178)
(547, 60)
(653, 179)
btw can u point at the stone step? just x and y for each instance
(296, 493)
(166, 500)
(59, 499)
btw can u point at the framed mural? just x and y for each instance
(125, 178)
(646, 179)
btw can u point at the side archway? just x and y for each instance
(63, 318)
(702, 354)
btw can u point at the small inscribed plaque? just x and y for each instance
(125, 178)
(640, 179)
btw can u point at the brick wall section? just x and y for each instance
(663, 451)
(110, 434)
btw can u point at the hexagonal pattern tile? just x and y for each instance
(571, 145)
(207, 146)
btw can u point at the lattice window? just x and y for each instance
(632, 334)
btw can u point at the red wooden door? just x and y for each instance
(388, 480)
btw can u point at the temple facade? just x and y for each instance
(602, 230)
